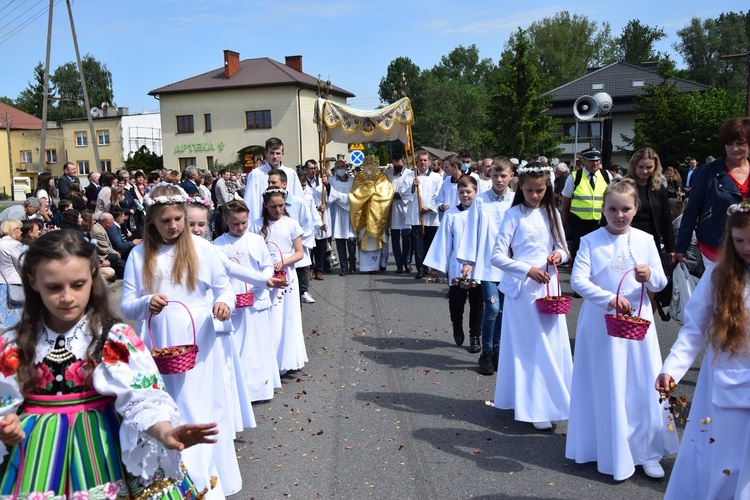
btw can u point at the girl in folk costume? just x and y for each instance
(84, 411)
(283, 237)
(535, 365)
(615, 419)
(713, 461)
(253, 339)
(170, 279)
(230, 367)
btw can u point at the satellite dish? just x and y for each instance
(95, 112)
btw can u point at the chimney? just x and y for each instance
(294, 62)
(231, 63)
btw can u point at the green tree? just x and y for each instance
(401, 77)
(679, 125)
(31, 98)
(703, 42)
(7, 100)
(566, 46)
(636, 43)
(145, 160)
(67, 81)
(519, 124)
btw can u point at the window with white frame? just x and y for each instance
(25, 156)
(106, 165)
(103, 136)
(83, 167)
(82, 139)
(50, 155)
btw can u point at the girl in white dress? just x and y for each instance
(231, 367)
(714, 458)
(615, 419)
(252, 324)
(535, 366)
(283, 237)
(173, 266)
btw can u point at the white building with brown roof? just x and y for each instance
(230, 111)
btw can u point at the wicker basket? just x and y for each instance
(554, 304)
(281, 273)
(177, 359)
(625, 326)
(246, 299)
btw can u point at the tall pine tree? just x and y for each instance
(519, 124)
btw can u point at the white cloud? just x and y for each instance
(491, 25)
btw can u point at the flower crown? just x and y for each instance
(526, 170)
(276, 190)
(742, 207)
(166, 200)
(197, 200)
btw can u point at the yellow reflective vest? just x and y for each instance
(587, 202)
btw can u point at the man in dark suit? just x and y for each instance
(104, 244)
(115, 233)
(69, 177)
(687, 176)
(92, 190)
(190, 184)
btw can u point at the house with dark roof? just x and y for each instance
(22, 132)
(211, 117)
(622, 81)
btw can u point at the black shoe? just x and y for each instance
(407, 268)
(475, 345)
(399, 270)
(485, 363)
(342, 273)
(458, 337)
(382, 269)
(418, 276)
(495, 357)
(353, 269)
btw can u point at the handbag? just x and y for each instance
(16, 297)
(683, 285)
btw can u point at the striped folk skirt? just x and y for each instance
(72, 451)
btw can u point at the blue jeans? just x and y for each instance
(492, 318)
(401, 244)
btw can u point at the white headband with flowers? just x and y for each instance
(197, 200)
(742, 207)
(526, 170)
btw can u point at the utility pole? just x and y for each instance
(10, 155)
(42, 151)
(740, 56)
(94, 139)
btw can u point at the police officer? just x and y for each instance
(583, 197)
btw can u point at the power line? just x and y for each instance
(16, 30)
(9, 4)
(13, 9)
(20, 15)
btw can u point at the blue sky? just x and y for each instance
(150, 44)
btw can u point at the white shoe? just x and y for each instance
(542, 426)
(306, 298)
(654, 470)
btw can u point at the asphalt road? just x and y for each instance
(389, 407)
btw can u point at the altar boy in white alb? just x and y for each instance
(257, 179)
(448, 195)
(423, 232)
(343, 233)
(474, 252)
(403, 212)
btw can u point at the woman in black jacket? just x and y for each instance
(653, 214)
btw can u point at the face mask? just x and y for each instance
(465, 167)
(341, 173)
